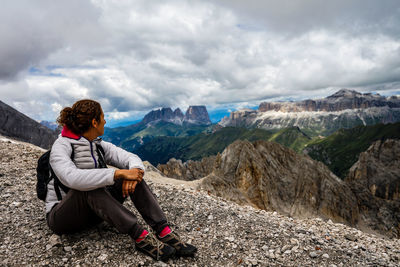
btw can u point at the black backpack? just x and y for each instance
(45, 173)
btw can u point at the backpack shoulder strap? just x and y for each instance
(101, 153)
(57, 182)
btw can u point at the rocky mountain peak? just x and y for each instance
(163, 114)
(17, 125)
(194, 115)
(197, 115)
(345, 93)
(269, 176)
(49, 124)
(178, 113)
(272, 177)
(341, 100)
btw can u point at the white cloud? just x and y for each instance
(56, 107)
(134, 56)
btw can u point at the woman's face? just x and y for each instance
(100, 125)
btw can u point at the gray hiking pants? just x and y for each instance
(79, 210)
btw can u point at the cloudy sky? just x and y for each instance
(137, 55)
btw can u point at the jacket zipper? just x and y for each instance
(91, 152)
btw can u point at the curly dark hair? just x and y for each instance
(78, 118)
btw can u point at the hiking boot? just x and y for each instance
(154, 248)
(182, 249)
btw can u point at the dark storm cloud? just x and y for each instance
(296, 17)
(31, 30)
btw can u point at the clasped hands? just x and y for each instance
(130, 179)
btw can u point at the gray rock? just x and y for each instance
(102, 257)
(54, 240)
(238, 235)
(351, 237)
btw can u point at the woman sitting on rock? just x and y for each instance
(96, 193)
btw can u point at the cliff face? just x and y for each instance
(344, 109)
(378, 169)
(272, 177)
(197, 115)
(194, 115)
(164, 114)
(15, 124)
(341, 100)
(375, 180)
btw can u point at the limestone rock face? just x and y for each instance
(17, 125)
(164, 114)
(193, 115)
(378, 169)
(189, 170)
(197, 115)
(272, 177)
(240, 118)
(341, 100)
(344, 109)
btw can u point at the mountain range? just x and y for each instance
(196, 115)
(344, 109)
(165, 133)
(293, 124)
(338, 151)
(266, 175)
(160, 122)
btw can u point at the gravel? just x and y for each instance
(225, 233)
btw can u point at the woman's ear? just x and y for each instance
(94, 123)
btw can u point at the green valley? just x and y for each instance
(340, 150)
(161, 149)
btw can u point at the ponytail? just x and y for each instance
(78, 118)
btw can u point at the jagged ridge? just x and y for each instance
(344, 109)
(272, 177)
(194, 115)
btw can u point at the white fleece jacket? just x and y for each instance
(82, 172)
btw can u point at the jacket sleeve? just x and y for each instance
(71, 176)
(121, 158)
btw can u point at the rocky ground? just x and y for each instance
(225, 233)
